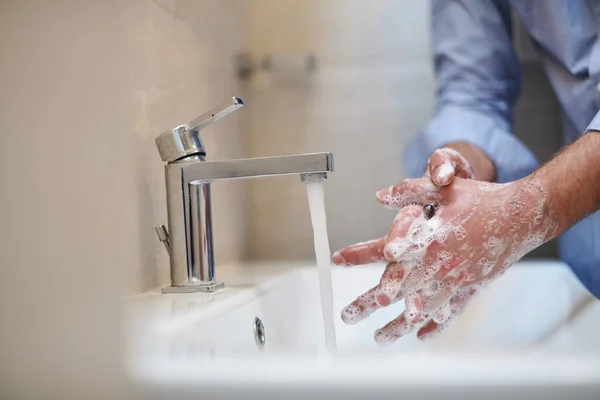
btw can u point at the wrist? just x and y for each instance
(570, 181)
(532, 196)
(483, 168)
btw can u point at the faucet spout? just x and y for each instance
(299, 164)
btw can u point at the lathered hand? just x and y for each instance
(438, 262)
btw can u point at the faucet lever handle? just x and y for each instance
(163, 236)
(220, 111)
(184, 140)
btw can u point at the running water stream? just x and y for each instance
(316, 202)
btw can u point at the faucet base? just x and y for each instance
(202, 288)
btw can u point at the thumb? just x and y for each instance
(444, 164)
(442, 174)
(440, 168)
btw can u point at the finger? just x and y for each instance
(434, 265)
(465, 173)
(432, 329)
(395, 330)
(458, 303)
(448, 263)
(362, 307)
(439, 293)
(441, 168)
(410, 191)
(429, 265)
(360, 253)
(414, 307)
(396, 244)
(442, 314)
(461, 165)
(445, 164)
(429, 330)
(390, 284)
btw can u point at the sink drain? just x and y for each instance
(259, 333)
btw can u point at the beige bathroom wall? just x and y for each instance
(161, 67)
(371, 92)
(85, 86)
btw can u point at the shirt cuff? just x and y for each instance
(511, 158)
(595, 124)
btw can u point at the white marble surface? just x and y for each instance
(535, 327)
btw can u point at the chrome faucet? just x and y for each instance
(189, 238)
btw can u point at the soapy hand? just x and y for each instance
(438, 262)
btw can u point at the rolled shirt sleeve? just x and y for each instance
(595, 124)
(478, 81)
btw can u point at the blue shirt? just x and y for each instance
(478, 82)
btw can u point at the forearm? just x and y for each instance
(570, 182)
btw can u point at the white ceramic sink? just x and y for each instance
(534, 331)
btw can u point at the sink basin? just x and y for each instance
(533, 331)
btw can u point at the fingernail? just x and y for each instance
(444, 173)
(338, 259)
